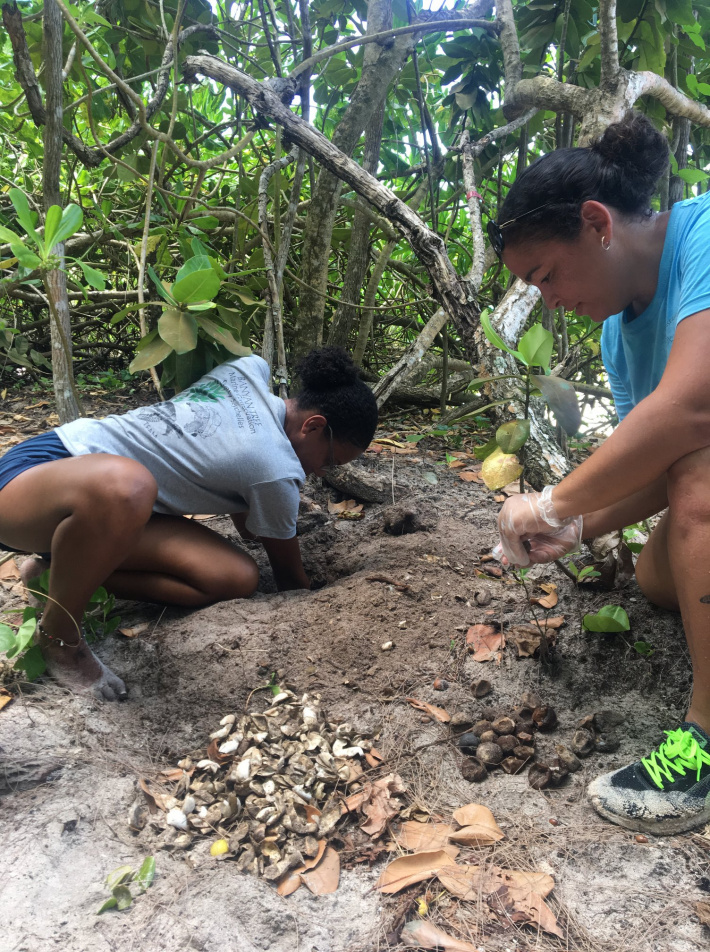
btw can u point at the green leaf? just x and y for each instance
(494, 337)
(693, 176)
(198, 263)
(19, 200)
(609, 618)
(7, 638)
(32, 663)
(511, 436)
(178, 329)
(223, 337)
(151, 355)
(51, 224)
(28, 259)
(535, 347)
(644, 648)
(118, 876)
(205, 306)
(482, 452)
(146, 874)
(72, 219)
(92, 276)
(160, 287)
(123, 897)
(25, 634)
(110, 903)
(198, 286)
(559, 395)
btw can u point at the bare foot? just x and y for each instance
(79, 669)
(30, 570)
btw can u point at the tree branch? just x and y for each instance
(609, 43)
(455, 294)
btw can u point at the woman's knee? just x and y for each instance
(689, 489)
(119, 486)
(230, 579)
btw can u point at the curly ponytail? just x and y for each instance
(620, 169)
(331, 385)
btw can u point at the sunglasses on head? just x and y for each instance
(495, 233)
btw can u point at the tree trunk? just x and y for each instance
(55, 281)
(380, 65)
(358, 257)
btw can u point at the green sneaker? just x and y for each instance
(667, 792)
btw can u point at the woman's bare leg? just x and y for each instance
(673, 569)
(91, 513)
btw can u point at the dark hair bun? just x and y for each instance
(637, 148)
(327, 369)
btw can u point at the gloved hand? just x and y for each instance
(531, 531)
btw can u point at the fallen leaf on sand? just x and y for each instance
(420, 934)
(172, 774)
(528, 638)
(702, 911)
(347, 505)
(157, 800)
(550, 599)
(479, 827)
(135, 631)
(374, 757)
(5, 698)
(405, 870)
(510, 893)
(293, 880)
(324, 878)
(485, 642)
(375, 800)
(556, 622)
(9, 570)
(419, 837)
(436, 712)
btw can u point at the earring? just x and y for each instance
(606, 246)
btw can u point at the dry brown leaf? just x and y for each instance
(528, 638)
(556, 622)
(291, 881)
(5, 698)
(479, 827)
(9, 570)
(457, 464)
(374, 757)
(135, 631)
(514, 893)
(702, 911)
(289, 884)
(420, 934)
(347, 505)
(156, 799)
(419, 837)
(550, 599)
(375, 800)
(405, 870)
(436, 712)
(324, 878)
(471, 476)
(171, 774)
(486, 642)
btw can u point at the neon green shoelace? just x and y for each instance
(680, 753)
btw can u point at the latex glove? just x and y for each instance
(531, 531)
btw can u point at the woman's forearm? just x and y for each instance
(640, 505)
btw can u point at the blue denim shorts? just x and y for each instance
(38, 449)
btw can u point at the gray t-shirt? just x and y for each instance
(217, 447)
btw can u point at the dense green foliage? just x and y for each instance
(206, 286)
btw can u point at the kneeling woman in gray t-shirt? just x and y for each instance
(105, 498)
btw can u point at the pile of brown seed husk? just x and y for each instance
(270, 786)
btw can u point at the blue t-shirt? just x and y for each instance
(635, 349)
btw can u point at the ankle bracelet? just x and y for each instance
(59, 641)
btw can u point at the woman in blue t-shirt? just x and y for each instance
(577, 224)
(104, 499)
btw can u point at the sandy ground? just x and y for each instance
(71, 765)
